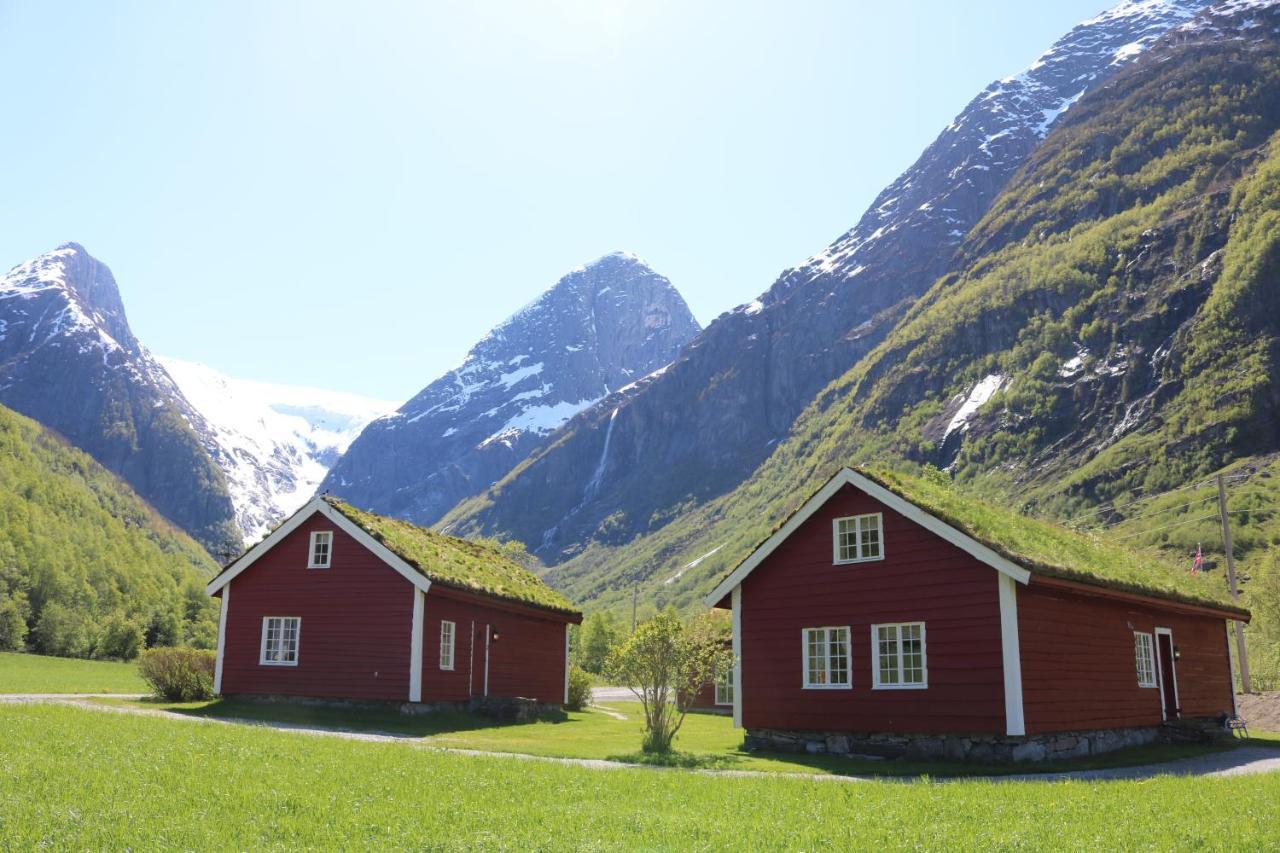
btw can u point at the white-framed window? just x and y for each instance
(321, 554)
(1145, 658)
(858, 538)
(280, 640)
(898, 657)
(826, 658)
(724, 688)
(447, 632)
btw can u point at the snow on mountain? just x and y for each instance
(274, 443)
(602, 326)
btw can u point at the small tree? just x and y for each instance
(596, 638)
(13, 623)
(664, 663)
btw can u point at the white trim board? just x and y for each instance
(849, 477)
(345, 524)
(415, 646)
(222, 641)
(1011, 657)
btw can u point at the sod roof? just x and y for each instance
(456, 562)
(1049, 549)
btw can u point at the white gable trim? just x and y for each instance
(295, 521)
(849, 477)
(222, 642)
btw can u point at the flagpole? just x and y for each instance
(1231, 583)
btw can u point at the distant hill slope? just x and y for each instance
(69, 359)
(1111, 330)
(81, 553)
(602, 326)
(699, 430)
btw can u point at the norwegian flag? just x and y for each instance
(1198, 562)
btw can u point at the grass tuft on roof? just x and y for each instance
(456, 562)
(1050, 549)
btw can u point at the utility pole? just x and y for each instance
(1231, 584)
(635, 593)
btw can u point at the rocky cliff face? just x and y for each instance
(640, 458)
(69, 360)
(601, 327)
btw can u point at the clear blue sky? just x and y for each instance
(349, 195)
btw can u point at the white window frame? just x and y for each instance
(857, 529)
(311, 552)
(452, 633)
(724, 688)
(1152, 680)
(804, 645)
(297, 641)
(876, 683)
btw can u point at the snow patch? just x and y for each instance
(978, 395)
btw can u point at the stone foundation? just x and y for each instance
(513, 709)
(980, 749)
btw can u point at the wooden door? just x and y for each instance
(1168, 673)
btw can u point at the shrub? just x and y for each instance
(579, 689)
(178, 674)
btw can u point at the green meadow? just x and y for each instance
(79, 779)
(25, 673)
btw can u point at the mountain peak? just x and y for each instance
(597, 329)
(94, 301)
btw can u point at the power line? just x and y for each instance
(1112, 507)
(1157, 512)
(1165, 527)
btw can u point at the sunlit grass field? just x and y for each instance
(89, 780)
(706, 741)
(22, 673)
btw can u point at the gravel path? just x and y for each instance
(612, 694)
(1242, 761)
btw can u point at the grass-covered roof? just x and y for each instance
(1045, 548)
(457, 562)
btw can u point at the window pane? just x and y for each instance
(839, 656)
(817, 657)
(847, 539)
(869, 526)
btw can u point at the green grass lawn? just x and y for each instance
(76, 779)
(706, 741)
(23, 673)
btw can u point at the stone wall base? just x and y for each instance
(981, 749)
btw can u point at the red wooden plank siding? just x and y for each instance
(1078, 666)
(356, 616)
(922, 579)
(526, 660)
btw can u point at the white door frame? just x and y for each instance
(1177, 700)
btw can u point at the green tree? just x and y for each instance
(664, 663)
(597, 637)
(119, 637)
(62, 631)
(13, 624)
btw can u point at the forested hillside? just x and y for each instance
(1110, 332)
(86, 567)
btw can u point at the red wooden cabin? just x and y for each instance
(866, 624)
(340, 603)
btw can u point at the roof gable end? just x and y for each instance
(346, 525)
(892, 500)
